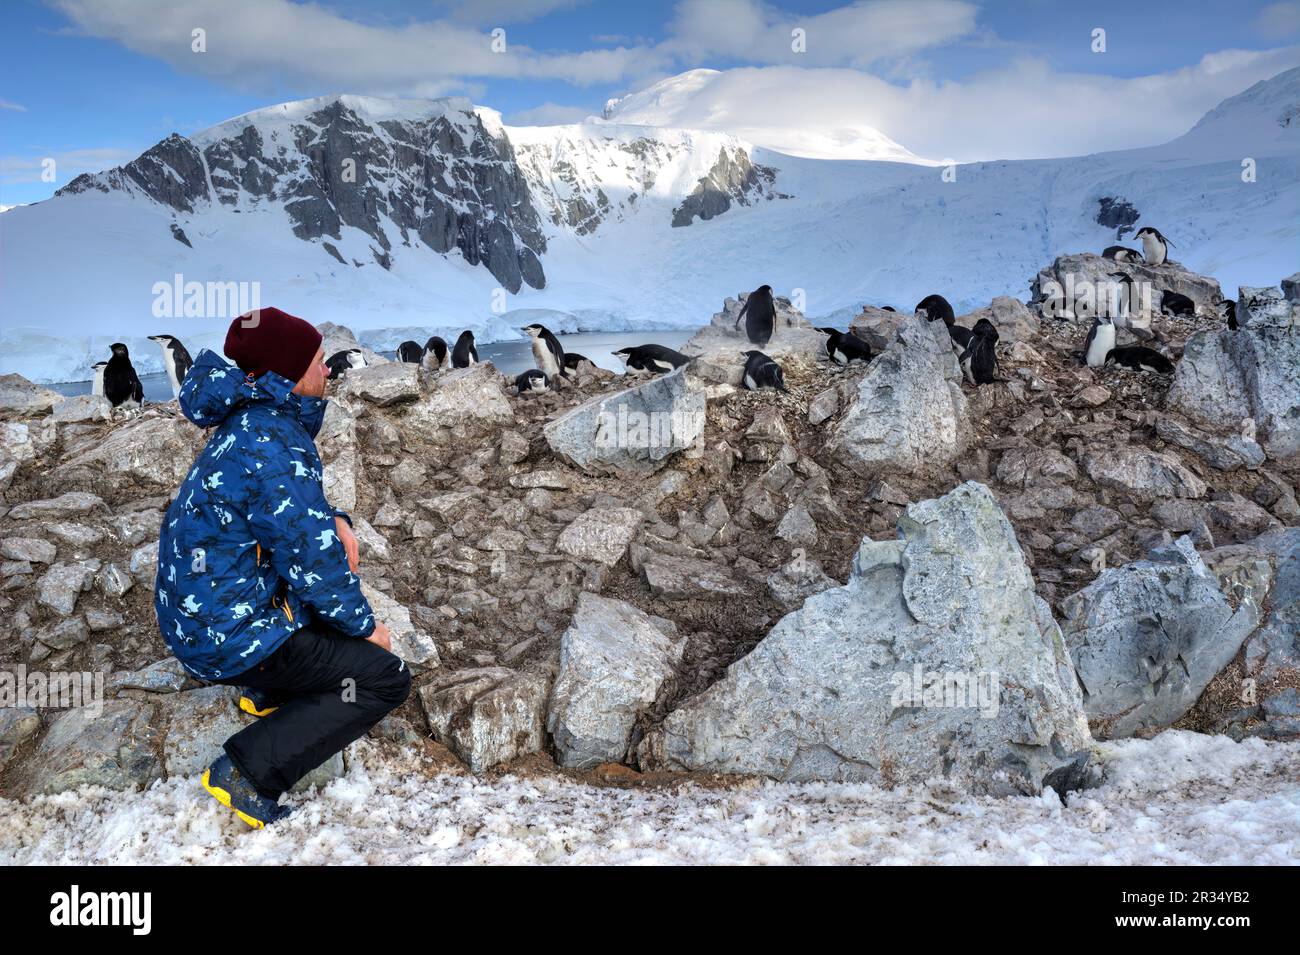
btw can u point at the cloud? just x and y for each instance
(263, 45)
(549, 114)
(5, 104)
(492, 13)
(1279, 19)
(1024, 110)
(68, 164)
(858, 34)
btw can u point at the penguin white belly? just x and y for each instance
(1103, 340)
(750, 383)
(662, 365)
(1153, 249)
(97, 389)
(839, 357)
(169, 365)
(544, 359)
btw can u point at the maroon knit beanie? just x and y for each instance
(267, 339)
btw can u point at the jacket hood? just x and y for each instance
(214, 389)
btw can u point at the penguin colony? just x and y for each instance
(975, 348)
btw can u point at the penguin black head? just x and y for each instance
(534, 329)
(119, 350)
(985, 329)
(162, 339)
(99, 366)
(889, 308)
(765, 289)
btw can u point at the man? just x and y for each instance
(256, 571)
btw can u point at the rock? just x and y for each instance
(17, 725)
(906, 413)
(414, 646)
(386, 384)
(487, 716)
(20, 396)
(1148, 637)
(339, 478)
(144, 563)
(797, 580)
(1012, 318)
(200, 721)
(1222, 453)
(113, 748)
(28, 548)
(877, 326)
(797, 526)
(1092, 396)
(631, 432)
(1227, 376)
(370, 542)
(851, 686)
(1096, 522)
(1028, 467)
(1143, 473)
(460, 404)
(1071, 286)
(62, 584)
(547, 479)
(825, 405)
(1273, 651)
(601, 534)
(114, 581)
(65, 634)
(83, 408)
(149, 450)
(162, 676)
(614, 659)
(65, 505)
(680, 578)
(514, 448)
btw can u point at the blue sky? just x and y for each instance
(92, 83)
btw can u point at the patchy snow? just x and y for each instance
(1178, 799)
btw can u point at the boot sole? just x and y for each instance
(223, 797)
(249, 707)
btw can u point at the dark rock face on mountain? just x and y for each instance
(733, 177)
(443, 179)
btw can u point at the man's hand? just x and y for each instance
(381, 637)
(349, 543)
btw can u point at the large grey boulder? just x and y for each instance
(876, 326)
(1148, 637)
(1012, 318)
(1143, 473)
(81, 408)
(387, 384)
(936, 659)
(20, 396)
(459, 404)
(631, 432)
(148, 450)
(907, 413)
(1070, 286)
(1253, 372)
(114, 748)
(487, 715)
(614, 660)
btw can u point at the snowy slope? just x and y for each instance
(1179, 799)
(697, 100)
(598, 202)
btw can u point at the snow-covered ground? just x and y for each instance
(1182, 798)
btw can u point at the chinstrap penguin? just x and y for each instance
(532, 380)
(1175, 303)
(340, 362)
(762, 372)
(410, 351)
(844, 347)
(464, 354)
(436, 354)
(979, 362)
(759, 313)
(1228, 311)
(97, 386)
(572, 360)
(1141, 358)
(548, 353)
(121, 384)
(176, 360)
(650, 359)
(1121, 253)
(1154, 245)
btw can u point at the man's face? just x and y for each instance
(312, 382)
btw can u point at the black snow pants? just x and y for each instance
(334, 689)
